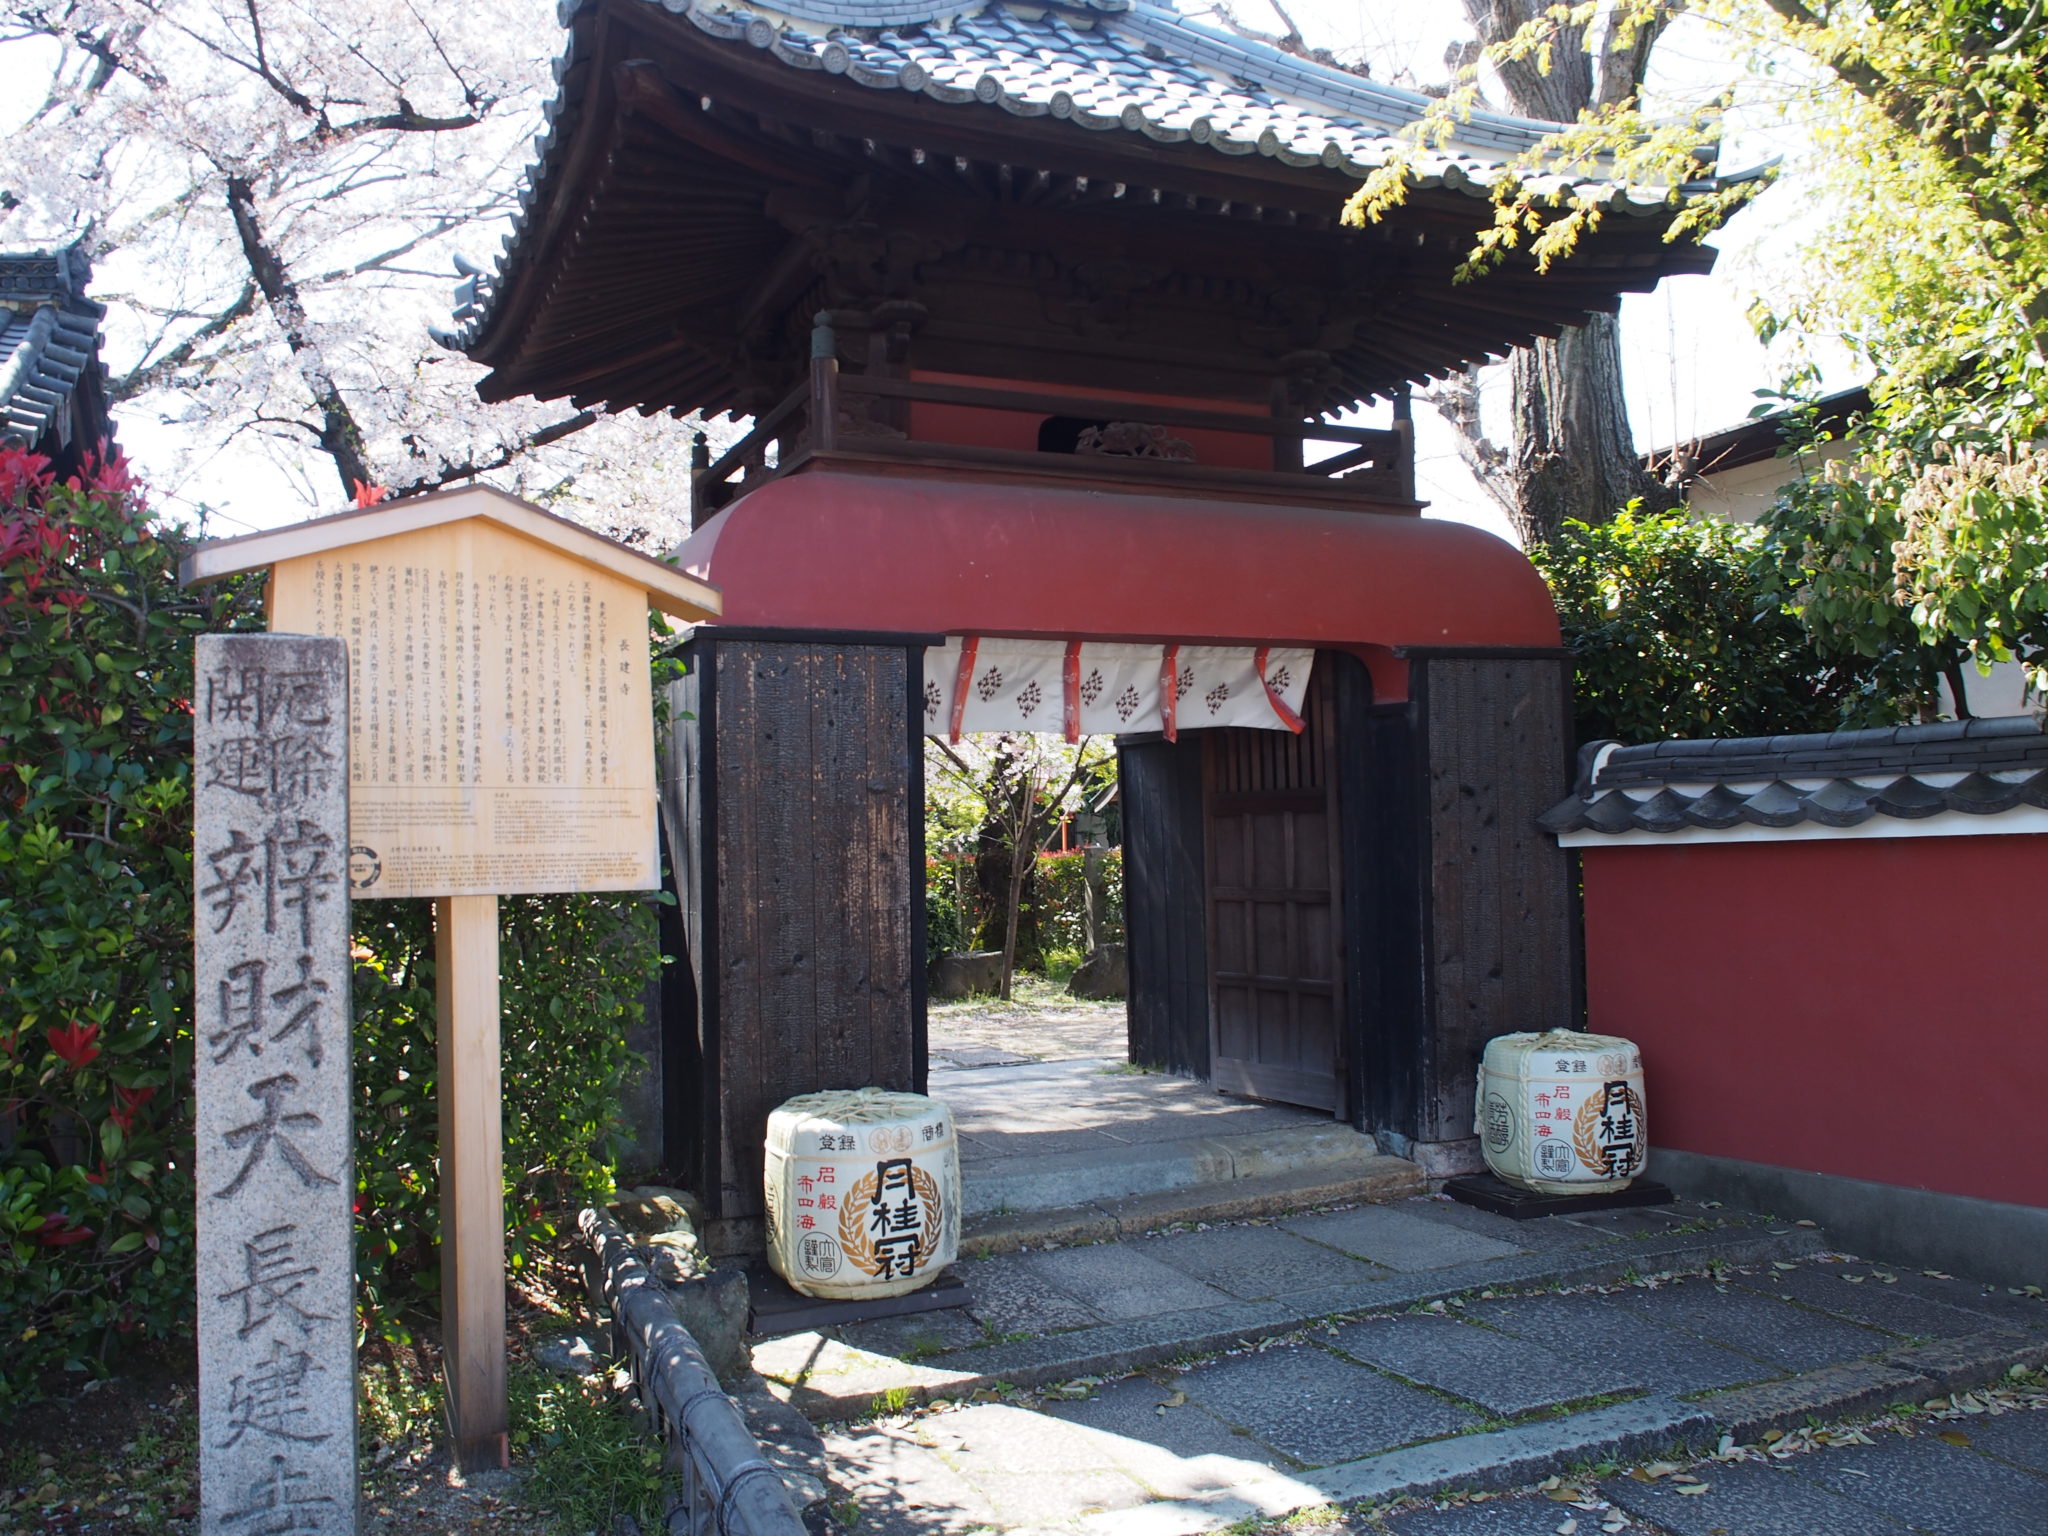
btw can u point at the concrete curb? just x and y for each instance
(1378, 1179)
(1911, 1374)
(1114, 1349)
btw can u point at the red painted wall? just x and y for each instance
(1870, 1007)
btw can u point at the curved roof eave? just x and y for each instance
(1134, 68)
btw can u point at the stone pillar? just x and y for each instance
(271, 1070)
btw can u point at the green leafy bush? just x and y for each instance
(96, 944)
(95, 917)
(1061, 896)
(1678, 628)
(574, 970)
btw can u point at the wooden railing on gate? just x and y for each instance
(836, 414)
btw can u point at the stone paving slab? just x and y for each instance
(1308, 1404)
(1518, 1517)
(843, 1385)
(1013, 1297)
(918, 1334)
(1398, 1239)
(1138, 1408)
(1854, 1293)
(2000, 1305)
(1589, 1328)
(1262, 1432)
(1932, 1486)
(2020, 1438)
(1539, 1233)
(1759, 1326)
(1122, 1281)
(905, 1490)
(1253, 1263)
(1494, 1459)
(1504, 1375)
(1749, 1499)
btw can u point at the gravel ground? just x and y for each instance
(1039, 1023)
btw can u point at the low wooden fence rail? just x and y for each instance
(729, 1487)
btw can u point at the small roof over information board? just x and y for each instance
(668, 589)
(501, 720)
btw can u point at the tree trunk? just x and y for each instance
(1019, 857)
(1573, 455)
(340, 438)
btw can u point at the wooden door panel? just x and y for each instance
(1275, 940)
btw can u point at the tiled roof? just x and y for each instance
(1968, 767)
(49, 338)
(1103, 65)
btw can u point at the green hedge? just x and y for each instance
(95, 918)
(96, 943)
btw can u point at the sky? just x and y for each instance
(1691, 362)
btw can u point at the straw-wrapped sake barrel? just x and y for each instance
(1562, 1113)
(863, 1192)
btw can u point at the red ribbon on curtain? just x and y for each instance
(1169, 691)
(963, 679)
(1071, 676)
(1288, 717)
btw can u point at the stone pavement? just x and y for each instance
(1188, 1379)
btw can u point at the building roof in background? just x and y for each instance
(1133, 100)
(1758, 439)
(1844, 779)
(49, 341)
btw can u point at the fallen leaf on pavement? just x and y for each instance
(1954, 1437)
(1689, 1487)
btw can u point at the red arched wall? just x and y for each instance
(833, 550)
(1869, 1007)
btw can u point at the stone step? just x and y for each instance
(1050, 1181)
(1345, 1181)
(827, 1379)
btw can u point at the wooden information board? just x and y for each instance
(502, 736)
(500, 741)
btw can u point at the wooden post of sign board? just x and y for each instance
(472, 1178)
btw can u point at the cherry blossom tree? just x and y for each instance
(274, 191)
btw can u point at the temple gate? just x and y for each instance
(1042, 315)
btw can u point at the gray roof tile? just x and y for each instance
(1849, 777)
(1106, 65)
(49, 339)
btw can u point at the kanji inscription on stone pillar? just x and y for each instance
(276, 1177)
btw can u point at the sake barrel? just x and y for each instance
(1561, 1113)
(863, 1192)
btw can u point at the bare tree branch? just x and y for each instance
(148, 374)
(507, 455)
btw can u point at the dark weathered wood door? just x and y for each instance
(1275, 917)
